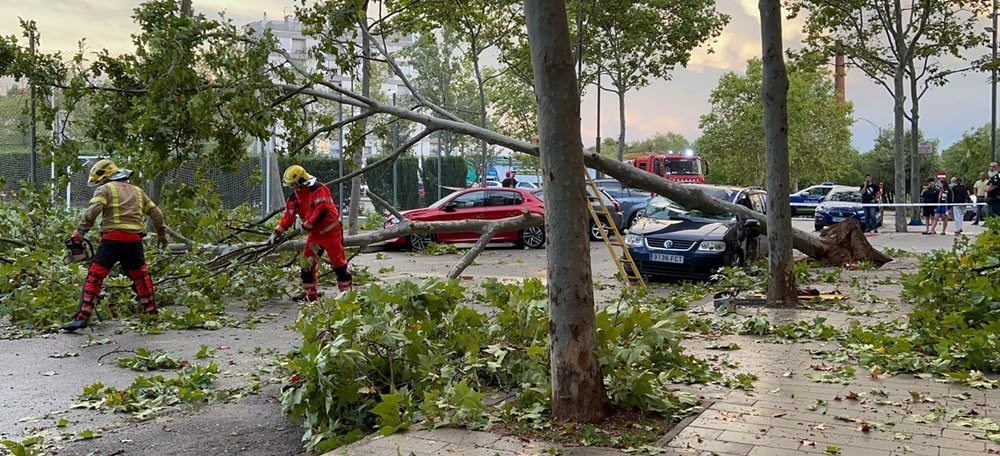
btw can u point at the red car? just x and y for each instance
(476, 204)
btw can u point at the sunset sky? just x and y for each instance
(666, 105)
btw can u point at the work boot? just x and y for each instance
(74, 325)
(307, 297)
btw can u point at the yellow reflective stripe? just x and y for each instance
(98, 200)
(115, 204)
(123, 226)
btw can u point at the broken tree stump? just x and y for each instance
(845, 243)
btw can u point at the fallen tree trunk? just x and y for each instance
(807, 243)
(408, 227)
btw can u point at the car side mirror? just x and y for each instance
(751, 224)
(450, 207)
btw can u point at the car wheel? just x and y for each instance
(595, 232)
(532, 238)
(794, 212)
(420, 242)
(819, 227)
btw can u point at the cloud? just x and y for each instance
(674, 105)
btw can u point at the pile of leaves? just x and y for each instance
(955, 317)
(146, 396)
(39, 293)
(387, 358)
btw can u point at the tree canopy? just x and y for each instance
(968, 156)
(819, 136)
(633, 42)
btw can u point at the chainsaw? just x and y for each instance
(79, 252)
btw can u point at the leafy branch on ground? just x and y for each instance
(387, 358)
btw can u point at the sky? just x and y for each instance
(665, 105)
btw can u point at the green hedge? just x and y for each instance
(453, 174)
(408, 190)
(323, 167)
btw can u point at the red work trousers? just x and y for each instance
(332, 244)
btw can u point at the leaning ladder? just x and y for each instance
(602, 218)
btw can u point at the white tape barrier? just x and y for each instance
(895, 204)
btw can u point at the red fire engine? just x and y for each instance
(686, 168)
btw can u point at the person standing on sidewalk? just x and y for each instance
(941, 211)
(980, 187)
(929, 196)
(869, 196)
(960, 197)
(993, 190)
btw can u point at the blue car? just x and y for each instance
(806, 200)
(669, 241)
(842, 203)
(633, 201)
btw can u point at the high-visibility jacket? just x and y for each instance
(123, 208)
(314, 205)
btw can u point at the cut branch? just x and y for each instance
(392, 210)
(519, 222)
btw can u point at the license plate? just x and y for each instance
(839, 219)
(664, 258)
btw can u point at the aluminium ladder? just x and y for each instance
(623, 260)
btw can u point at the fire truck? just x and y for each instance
(685, 168)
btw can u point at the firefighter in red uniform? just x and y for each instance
(123, 209)
(312, 203)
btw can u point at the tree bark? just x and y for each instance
(359, 152)
(914, 141)
(774, 91)
(900, 97)
(621, 125)
(578, 392)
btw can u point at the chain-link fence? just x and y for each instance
(413, 181)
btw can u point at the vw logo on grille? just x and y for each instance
(667, 244)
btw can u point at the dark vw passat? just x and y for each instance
(670, 241)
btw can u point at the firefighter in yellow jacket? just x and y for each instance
(123, 209)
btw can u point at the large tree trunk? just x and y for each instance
(359, 152)
(914, 141)
(774, 91)
(578, 392)
(621, 125)
(900, 97)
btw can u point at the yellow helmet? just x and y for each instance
(295, 175)
(101, 172)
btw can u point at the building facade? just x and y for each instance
(290, 36)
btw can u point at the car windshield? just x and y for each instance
(661, 208)
(851, 196)
(441, 201)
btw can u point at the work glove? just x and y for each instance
(274, 238)
(77, 237)
(307, 226)
(162, 241)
